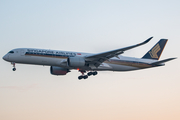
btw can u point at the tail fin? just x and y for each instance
(156, 51)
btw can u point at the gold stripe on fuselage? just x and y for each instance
(129, 63)
(50, 56)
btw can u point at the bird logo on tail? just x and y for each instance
(154, 51)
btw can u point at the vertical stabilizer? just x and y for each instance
(156, 51)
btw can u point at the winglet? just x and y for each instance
(148, 40)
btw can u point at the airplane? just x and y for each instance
(61, 62)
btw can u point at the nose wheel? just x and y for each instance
(14, 67)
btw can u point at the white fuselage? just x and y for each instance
(59, 58)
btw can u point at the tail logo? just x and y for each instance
(154, 51)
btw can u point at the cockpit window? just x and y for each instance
(11, 52)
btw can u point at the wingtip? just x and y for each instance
(175, 58)
(148, 40)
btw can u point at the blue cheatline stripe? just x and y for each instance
(48, 55)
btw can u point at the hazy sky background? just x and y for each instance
(32, 93)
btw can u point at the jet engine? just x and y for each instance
(76, 61)
(58, 70)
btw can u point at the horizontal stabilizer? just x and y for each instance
(162, 61)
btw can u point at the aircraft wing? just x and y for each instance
(99, 58)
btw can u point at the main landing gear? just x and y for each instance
(14, 67)
(86, 76)
(92, 73)
(82, 77)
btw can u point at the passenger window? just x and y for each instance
(11, 52)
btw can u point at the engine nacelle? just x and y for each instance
(58, 70)
(76, 62)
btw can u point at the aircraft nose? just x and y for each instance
(5, 57)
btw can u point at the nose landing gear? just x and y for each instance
(14, 67)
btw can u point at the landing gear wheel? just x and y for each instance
(14, 69)
(95, 73)
(85, 77)
(80, 77)
(89, 73)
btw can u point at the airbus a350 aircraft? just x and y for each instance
(62, 62)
